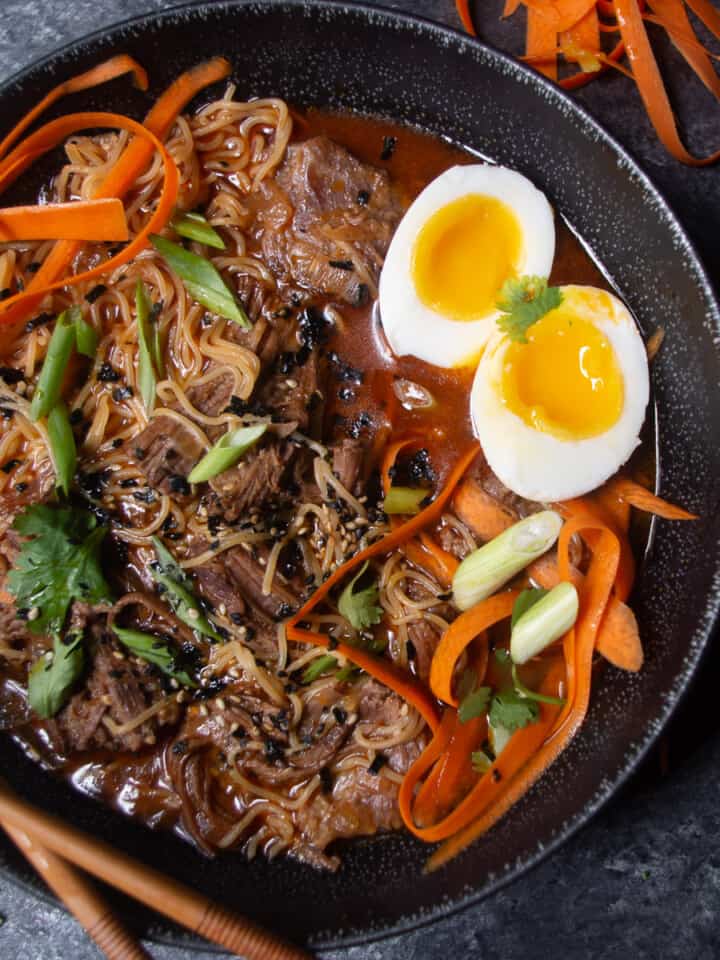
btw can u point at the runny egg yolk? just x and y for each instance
(463, 255)
(565, 380)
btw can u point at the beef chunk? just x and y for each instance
(248, 573)
(116, 688)
(219, 589)
(295, 392)
(266, 335)
(348, 458)
(452, 542)
(425, 639)
(256, 480)
(333, 244)
(212, 396)
(166, 449)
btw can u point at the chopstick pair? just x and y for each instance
(48, 843)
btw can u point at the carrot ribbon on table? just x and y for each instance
(134, 160)
(97, 220)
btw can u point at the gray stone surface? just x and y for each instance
(643, 879)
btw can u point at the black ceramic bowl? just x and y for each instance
(349, 57)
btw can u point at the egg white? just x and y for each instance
(537, 465)
(411, 327)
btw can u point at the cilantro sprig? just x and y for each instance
(512, 711)
(523, 301)
(57, 564)
(360, 607)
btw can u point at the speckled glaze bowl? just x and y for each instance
(349, 57)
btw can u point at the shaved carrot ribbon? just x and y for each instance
(572, 29)
(591, 507)
(102, 73)
(642, 499)
(460, 634)
(534, 748)
(382, 669)
(98, 220)
(463, 9)
(48, 137)
(131, 164)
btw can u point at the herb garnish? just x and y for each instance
(524, 301)
(512, 711)
(54, 674)
(177, 591)
(361, 608)
(155, 651)
(58, 564)
(318, 667)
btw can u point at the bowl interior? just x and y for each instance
(348, 57)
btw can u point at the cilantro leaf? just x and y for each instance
(53, 676)
(58, 564)
(360, 609)
(524, 301)
(511, 711)
(526, 600)
(474, 704)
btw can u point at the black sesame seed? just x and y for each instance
(388, 148)
(10, 466)
(179, 485)
(95, 293)
(106, 374)
(326, 780)
(377, 764)
(180, 747)
(122, 393)
(363, 197)
(5, 293)
(342, 264)
(340, 715)
(39, 321)
(11, 376)
(21, 487)
(32, 267)
(76, 416)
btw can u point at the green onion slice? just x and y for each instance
(194, 226)
(146, 346)
(86, 338)
(318, 667)
(168, 574)
(154, 650)
(62, 447)
(47, 391)
(544, 622)
(405, 500)
(226, 452)
(201, 280)
(491, 566)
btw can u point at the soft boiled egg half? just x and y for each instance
(470, 230)
(559, 414)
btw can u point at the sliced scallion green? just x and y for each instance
(86, 338)
(531, 694)
(177, 588)
(146, 366)
(154, 650)
(318, 667)
(201, 280)
(194, 226)
(481, 762)
(47, 391)
(544, 622)
(491, 566)
(62, 446)
(405, 500)
(226, 452)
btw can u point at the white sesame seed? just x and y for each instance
(20, 387)
(222, 609)
(193, 613)
(291, 383)
(33, 613)
(220, 704)
(203, 710)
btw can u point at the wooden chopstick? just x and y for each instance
(81, 898)
(149, 886)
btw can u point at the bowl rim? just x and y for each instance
(707, 619)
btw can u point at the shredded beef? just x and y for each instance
(332, 244)
(212, 396)
(248, 574)
(166, 449)
(259, 478)
(349, 457)
(295, 392)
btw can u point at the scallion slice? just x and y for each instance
(491, 566)
(318, 667)
(47, 391)
(404, 500)
(86, 338)
(154, 650)
(201, 280)
(544, 623)
(62, 446)
(146, 366)
(177, 587)
(226, 452)
(194, 226)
